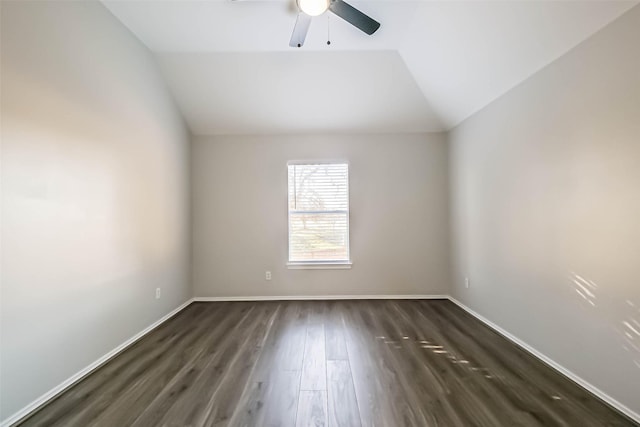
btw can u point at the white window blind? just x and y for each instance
(318, 213)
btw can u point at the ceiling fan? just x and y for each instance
(307, 9)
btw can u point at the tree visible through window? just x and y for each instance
(319, 212)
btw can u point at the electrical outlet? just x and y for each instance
(267, 275)
(158, 293)
(466, 282)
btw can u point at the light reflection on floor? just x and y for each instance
(429, 345)
(439, 350)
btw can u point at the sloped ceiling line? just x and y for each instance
(431, 65)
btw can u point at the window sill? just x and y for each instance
(338, 265)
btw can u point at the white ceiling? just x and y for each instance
(275, 92)
(431, 65)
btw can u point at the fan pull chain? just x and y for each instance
(328, 29)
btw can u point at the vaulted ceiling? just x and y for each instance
(431, 65)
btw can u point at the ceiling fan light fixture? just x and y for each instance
(313, 7)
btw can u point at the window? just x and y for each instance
(319, 215)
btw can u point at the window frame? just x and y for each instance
(320, 264)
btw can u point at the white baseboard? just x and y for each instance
(316, 297)
(54, 392)
(564, 371)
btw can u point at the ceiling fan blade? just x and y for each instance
(300, 30)
(354, 16)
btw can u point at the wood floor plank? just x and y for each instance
(325, 363)
(223, 403)
(284, 348)
(342, 405)
(431, 360)
(312, 409)
(374, 382)
(314, 364)
(272, 398)
(486, 379)
(406, 398)
(156, 393)
(336, 346)
(203, 375)
(272, 404)
(282, 400)
(250, 409)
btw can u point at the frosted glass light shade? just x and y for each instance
(313, 7)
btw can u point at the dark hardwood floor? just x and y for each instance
(325, 363)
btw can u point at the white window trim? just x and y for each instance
(322, 265)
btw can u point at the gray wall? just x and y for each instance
(94, 194)
(399, 215)
(546, 211)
